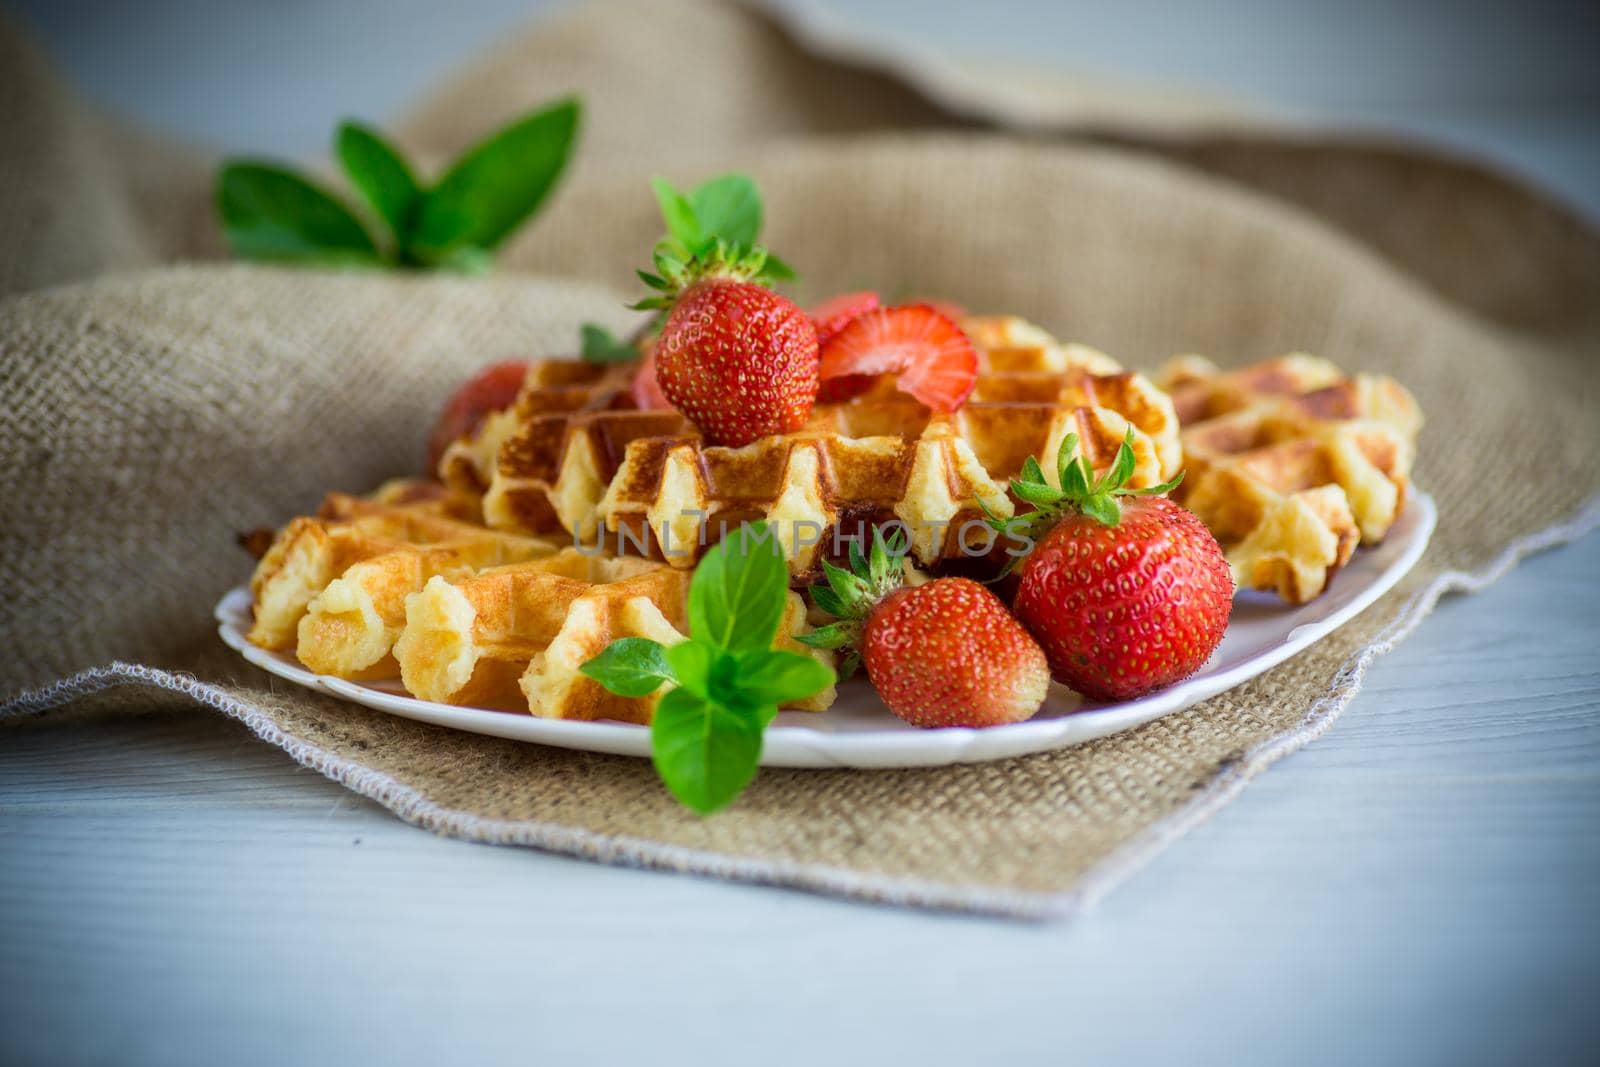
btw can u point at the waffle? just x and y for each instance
(399, 586)
(1292, 463)
(574, 458)
(333, 586)
(516, 636)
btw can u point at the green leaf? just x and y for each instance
(600, 345)
(1064, 457)
(1074, 480)
(496, 185)
(1154, 490)
(706, 753)
(1035, 493)
(1032, 472)
(271, 213)
(631, 667)
(466, 260)
(776, 270)
(728, 209)
(1121, 467)
(679, 214)
(834, 635)
(740, 590)
(381, 175)
(1102, 509)
(826, 599)
(877, 557)
(692, 662)
(858, 562)
(849, 587)
(773, 677)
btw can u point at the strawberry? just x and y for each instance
(494, 388)
(948, 308)
(930, 356)
(831, 316)
(733, 356)
(1126, 591)
(646, 390)
(944, 653)
(738, 360)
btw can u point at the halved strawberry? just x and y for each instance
(932, 359)
(494, 388)
(833, 314)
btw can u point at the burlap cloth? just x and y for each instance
(151, 411)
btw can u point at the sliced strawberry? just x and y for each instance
(845, 387)
(647, 394)
(833, 314)
(494, 388)
(948, 308)
(933, 360)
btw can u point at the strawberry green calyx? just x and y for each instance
(1080, 491)
(850, 595)
(711, 233)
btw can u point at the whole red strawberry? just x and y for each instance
(1126, 591)
(494, 388)
(733, 356)
(945, 653)
(738, 360)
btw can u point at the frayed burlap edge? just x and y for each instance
(1226, 784)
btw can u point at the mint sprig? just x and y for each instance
(1079, 491)
(728, 681)
(270, 212)
(711, 231)
(600, 345)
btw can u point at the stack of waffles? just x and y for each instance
(1292, 463)
(574, 459)
(397, 587)
(574, 518)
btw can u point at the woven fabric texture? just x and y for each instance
(154, 408)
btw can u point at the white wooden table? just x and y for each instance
(1419, 886)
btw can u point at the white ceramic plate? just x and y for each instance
(858, 731)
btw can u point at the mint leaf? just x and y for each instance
(600, 345)
(691, 662)
(728, 208)
(775, 677)
(631, 667)
(491, 189)
(274, 214)
(381, 175)
(739, 591)
(705, 753)
(683, 226)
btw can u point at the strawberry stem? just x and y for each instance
(1080, 491)
(850, 595)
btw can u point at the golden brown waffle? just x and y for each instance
(516, 636)
(573, 458)
(1291, 463)
(397, 587)
(333, 586)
